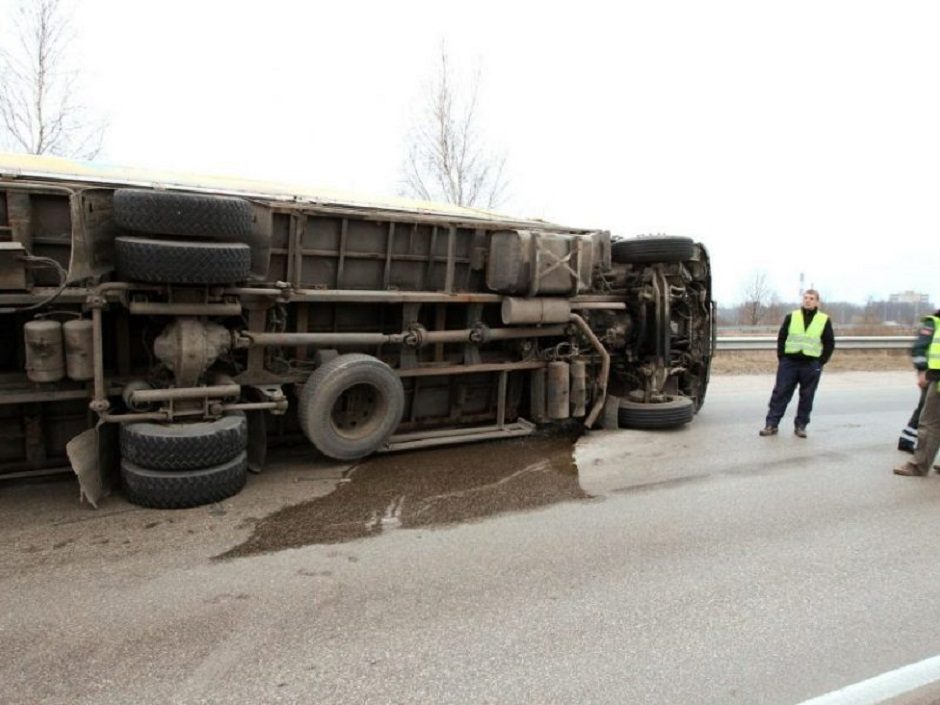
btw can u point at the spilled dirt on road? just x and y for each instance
(426, 488)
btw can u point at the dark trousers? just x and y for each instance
(915, 417)
(928, 430)
(908, 438)
(791, 373)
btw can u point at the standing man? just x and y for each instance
(925, 354)
(804, 345)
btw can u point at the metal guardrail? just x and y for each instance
(844, 342)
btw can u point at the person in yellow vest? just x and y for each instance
(804, 345)
(925, 354)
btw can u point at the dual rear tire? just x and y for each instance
(190, 239)
(194, 240)
(175, 466)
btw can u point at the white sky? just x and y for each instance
(788, 136)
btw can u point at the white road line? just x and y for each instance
(884, 687)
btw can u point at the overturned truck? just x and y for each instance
(161, 331)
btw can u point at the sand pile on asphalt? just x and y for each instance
(427, 488)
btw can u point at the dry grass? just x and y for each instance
(751, 362)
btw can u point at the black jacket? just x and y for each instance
(922, 345)
(828, 339)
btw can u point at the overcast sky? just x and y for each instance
(789, 136)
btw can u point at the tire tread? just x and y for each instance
(185, 214)
(178, 262)
(204, 444)
(676, 412)
(310, 411)
(645, 250)
(183, 489)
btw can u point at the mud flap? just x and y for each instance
(92, 454)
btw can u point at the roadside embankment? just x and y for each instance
(749, 362)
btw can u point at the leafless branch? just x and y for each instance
(39, 110)
(446, 158)
(757, 298)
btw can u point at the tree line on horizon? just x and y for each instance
(873, 314)
(760, 305)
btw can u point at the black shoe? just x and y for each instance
(768, 431)
(906, 445)
(800, 431)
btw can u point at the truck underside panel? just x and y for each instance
(361, 328)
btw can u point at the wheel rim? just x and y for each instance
(358, 411)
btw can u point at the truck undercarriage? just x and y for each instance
(161, 338)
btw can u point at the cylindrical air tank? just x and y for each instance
(79, 349)
(45, 361)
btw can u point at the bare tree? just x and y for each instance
(874, 311)
(447, 159)
(39, 110)
(757, 298)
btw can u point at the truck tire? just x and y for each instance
(174, 262)
(350, 405)
(185, 488)
(185, 214)
(676, 411)
(176, 446)
(644, 250)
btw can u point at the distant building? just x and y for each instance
(909, 297)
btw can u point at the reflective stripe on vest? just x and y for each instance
(933, 352)
(805, 340)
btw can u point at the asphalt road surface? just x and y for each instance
(704, 565)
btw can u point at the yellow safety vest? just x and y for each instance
(933, 352)
(801, 339)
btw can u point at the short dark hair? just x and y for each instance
(813, 292)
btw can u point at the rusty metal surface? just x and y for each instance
(189, 346)
(13, 274)
(158, 308)
(150, 396)
(401, 282)
(429, 439)
(450, 370)
(92, 455)
(93, 233)
(601, 382)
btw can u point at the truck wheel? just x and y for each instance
(178, 446)
(184, 488)
(186, 214)
(350, 406)
(174, 262)
(676, 411)
(653, 249)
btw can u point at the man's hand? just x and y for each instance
(922, 378)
